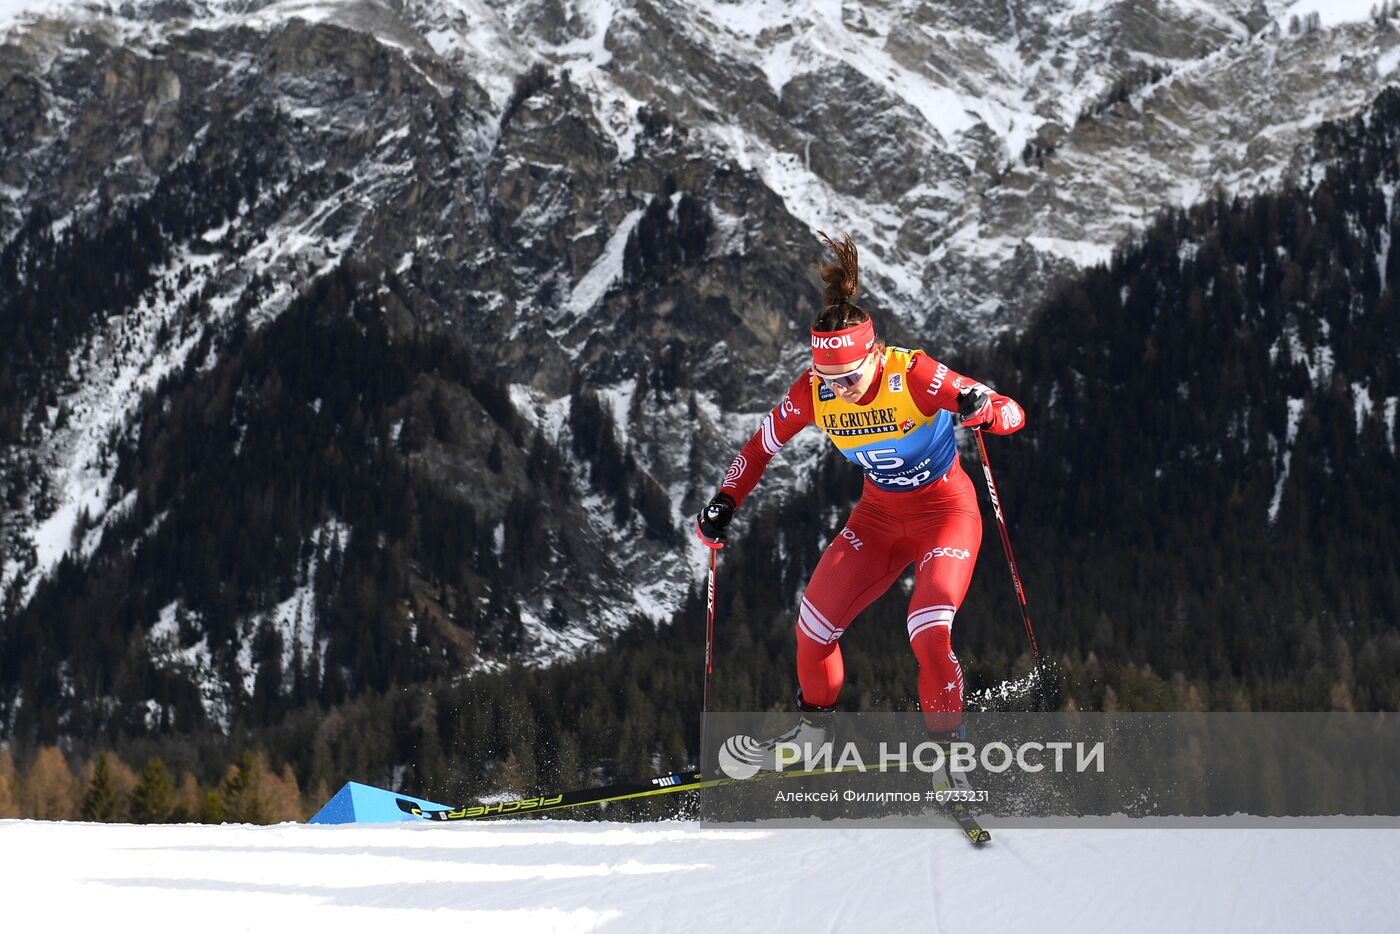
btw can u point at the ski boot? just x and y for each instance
(813, 732)
(954, 790)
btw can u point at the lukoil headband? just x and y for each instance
(847, 346)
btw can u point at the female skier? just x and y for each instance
(888, 409)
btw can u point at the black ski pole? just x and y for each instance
(710, 630)
(709, 658)
(1006, 545)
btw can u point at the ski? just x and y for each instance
(690, 780)
(969, 826)
(959, 814)
(661, 785)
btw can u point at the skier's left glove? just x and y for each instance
(990, 411)
(975, 408)
(714, 519)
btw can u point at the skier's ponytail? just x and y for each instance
(842, 284)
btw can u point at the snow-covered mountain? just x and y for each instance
(602, 198)
(952, 139)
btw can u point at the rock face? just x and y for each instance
(609, 199)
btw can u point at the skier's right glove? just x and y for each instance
(713, 519)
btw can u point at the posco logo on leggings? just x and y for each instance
(962, 554)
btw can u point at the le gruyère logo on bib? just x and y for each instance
(860, 422)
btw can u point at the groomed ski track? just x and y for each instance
(672, 876)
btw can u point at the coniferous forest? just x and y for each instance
(1204, 506)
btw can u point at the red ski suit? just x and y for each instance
(918, 507)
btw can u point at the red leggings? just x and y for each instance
(938, 528)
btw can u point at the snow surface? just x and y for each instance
(675, 876)
(1390, 406)
(1330, 12)
(604, 272)
(12, 10)
(1295, 415)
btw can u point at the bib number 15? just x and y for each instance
(880, 459)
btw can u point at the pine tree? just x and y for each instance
(243, 790)
(100, 802)
(153, 799)
(212, 809)
(188, 800)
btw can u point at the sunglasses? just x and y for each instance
(846, 380)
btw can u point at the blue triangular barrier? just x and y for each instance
(365, 804)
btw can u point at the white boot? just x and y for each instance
(813, 732)
(741, 757)
(948, 779)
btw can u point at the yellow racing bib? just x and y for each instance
(898, 447)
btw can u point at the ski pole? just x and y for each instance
(709, 631)
(709, 659)
(1006, 545)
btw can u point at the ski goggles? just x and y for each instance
(846, 380)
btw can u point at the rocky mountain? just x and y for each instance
(579, 238)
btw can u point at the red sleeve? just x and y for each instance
(934, 386)
(779, 427)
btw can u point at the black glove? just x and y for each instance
(713, 520)
(975, 408)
